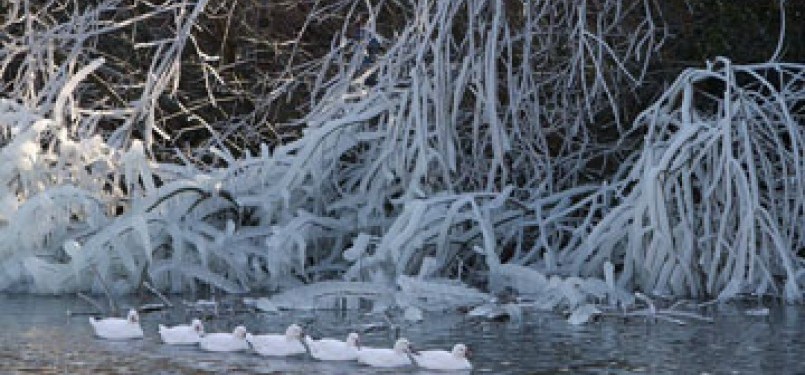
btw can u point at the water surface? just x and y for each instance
(37, 335)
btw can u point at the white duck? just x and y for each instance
(444, 360)
(183, 333)
(279, 345)
(225, 342)
(118, 328)
(335, 350)
(396, 357)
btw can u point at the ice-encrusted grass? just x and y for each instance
(462, 165)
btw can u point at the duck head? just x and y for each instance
(461, 351)
(133, 317)
(294, 332)
(197, 326)
(240, 332)
(403, 346)
(354, 340)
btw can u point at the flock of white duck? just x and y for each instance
(293, 342)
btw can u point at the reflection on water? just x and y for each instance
(38, 336)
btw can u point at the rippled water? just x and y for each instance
(38, 336)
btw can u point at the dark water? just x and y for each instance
(38, 337)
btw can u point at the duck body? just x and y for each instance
(382, 357)
(118, 328)
(334, 350)
(443, 360)
(279, 345)
(183, 334)
(275, 345)
(225, 342)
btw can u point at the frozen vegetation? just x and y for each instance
(459, 157)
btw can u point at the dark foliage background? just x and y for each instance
(261, 46)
